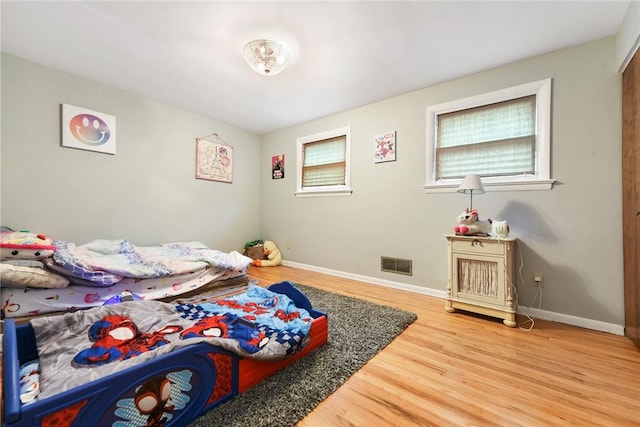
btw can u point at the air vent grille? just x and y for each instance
(396, 265)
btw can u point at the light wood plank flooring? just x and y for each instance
(451, 369)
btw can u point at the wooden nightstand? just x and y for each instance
(481, 276)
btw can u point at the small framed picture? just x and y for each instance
(214, 161)
(384, 147)
(277, 167)
(88, 130)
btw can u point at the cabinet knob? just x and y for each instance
(637, 213)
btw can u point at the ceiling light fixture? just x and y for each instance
(266, 57)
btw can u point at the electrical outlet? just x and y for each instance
(538, 280)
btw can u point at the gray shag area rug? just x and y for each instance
(358, 330)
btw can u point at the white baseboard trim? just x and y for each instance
(568, 319)
(373, 280)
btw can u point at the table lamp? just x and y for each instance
(469, 185)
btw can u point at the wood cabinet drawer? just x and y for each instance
(478, 246)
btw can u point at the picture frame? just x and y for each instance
(86, 129)
(384, 147)
(214, 160)
(277, 167)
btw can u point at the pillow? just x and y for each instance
(31, 277)
(25, 245)
(25, 262)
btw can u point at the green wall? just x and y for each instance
(146, 193)
(572, 234)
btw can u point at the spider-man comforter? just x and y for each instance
(79, 347)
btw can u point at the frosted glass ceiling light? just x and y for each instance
(266, 57)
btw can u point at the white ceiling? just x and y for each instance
(343, 54)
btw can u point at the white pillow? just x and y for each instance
(32, 277)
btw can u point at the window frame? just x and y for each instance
(541, 180)
(326, 190)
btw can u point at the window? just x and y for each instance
(503, 136)
(323, 163)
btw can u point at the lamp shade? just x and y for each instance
(266, 57)
(471, 184)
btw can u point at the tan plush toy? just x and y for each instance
(272, 254)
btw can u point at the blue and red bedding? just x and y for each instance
(171, 387)
(75, 348)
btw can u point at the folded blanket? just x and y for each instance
(107, 261)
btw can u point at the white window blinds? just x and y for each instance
(324, 162)
(492, 140)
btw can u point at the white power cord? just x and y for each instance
(538, 295)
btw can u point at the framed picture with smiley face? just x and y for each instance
(88, 130)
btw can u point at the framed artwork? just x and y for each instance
(214, 160)
(88, 130)
(277, 167)
(384, 147)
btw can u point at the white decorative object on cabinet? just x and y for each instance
(481, 276)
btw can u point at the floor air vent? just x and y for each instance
(396, 265)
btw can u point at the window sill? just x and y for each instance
(324, 193)
(537, 185)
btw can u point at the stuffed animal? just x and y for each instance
(22, 254)
(469, 224)
(272, 256)
(24, 245)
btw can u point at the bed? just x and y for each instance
(79, 276)
(155, 382)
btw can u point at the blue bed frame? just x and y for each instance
(211, 374)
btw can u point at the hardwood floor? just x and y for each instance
(450, 369)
